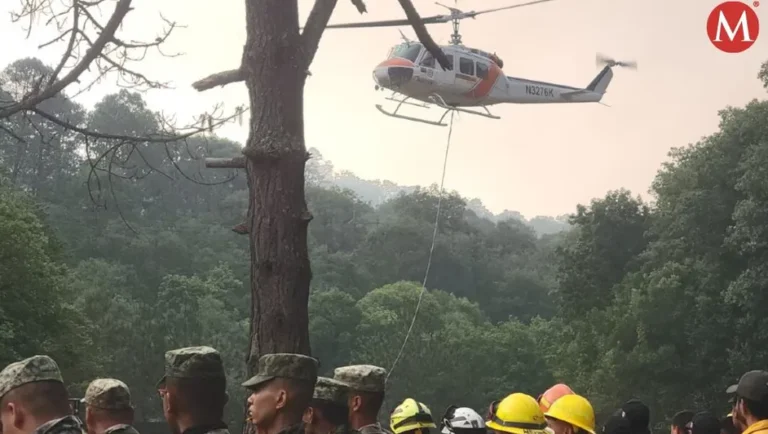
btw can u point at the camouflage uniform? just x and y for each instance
(364, 378)
(31, 370)
(195, 362)
(284, 365)
(110, 394)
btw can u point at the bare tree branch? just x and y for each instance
(313, 30)
(423, 34)
(36, 97)
(219, 79)
(360, 5)
(225, 163)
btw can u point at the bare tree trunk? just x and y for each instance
(274, 68)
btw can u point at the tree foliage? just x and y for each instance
(662, 301)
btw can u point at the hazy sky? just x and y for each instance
(538, 159)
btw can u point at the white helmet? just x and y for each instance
(462, 420)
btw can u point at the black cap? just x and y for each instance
(705, 423)
(752, 386)
(617, 424)
(638, 415)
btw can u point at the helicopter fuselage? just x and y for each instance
(476, 79)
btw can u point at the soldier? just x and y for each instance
(366, 384)
(108, 408)
(280, 392)
(33, 399)
(328, 409)
(193, 391)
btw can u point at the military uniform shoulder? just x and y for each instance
(121, 429)
(64, 425)
(294, 429)
(219, 431)
(373, 429)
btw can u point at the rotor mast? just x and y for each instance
(455, 21)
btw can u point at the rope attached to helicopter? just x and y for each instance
(431, 248)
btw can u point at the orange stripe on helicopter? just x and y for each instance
(484, 86)
(396, 61)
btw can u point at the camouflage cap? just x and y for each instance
(362, 378)
(108, 393)
(193, 362)
(284, 365)
(328, 389)
(31, 370)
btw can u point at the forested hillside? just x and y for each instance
(105, 272)
(321, 172)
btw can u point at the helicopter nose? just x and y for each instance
(393, 72)
(380, 76)
(399, 75)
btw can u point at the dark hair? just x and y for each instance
(43, 399)
(204, 398)
(299, 394)
(332, 412)
(372, 402)
(123, 415)
(758, 409)
(681, 419)
(727, 427)
(705, 423)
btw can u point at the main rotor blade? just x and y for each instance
(436, 19)
(390, 23)
(473, 14)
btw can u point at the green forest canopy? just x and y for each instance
(663, 301)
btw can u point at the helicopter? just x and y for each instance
(475, 79)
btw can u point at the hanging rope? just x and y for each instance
(431, 248)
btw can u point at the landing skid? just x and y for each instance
(436, 100)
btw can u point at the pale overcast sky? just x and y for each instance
(538, 159)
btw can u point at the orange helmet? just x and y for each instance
(552, 394)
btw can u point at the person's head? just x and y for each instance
(328, 408)
(727, 426)
(751, 398)
(617, 424)
(366, 396)
(517, 413)
(705, 423)
(552, 394)
(571, 414)
(107, 403)
(638, 415)
(32, 393)
(193, 389)
(462, 420)
(281, 390)
(680, 422)
(411, 417)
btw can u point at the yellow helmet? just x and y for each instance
(575, 410)
(409, 416)
(518, 413)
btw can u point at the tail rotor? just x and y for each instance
(602, 60)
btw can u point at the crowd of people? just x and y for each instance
(288, 397)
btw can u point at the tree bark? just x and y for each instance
(274, 68)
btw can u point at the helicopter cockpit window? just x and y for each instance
(408, 51)
(466, 66)
(482, 70)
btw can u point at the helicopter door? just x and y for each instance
(466, 79)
